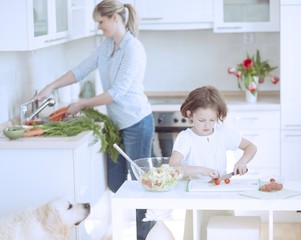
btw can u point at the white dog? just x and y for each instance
(52, 221)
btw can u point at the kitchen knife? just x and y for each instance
(228, 175)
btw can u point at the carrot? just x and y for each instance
(32, 132)
(58, 115)
(32, 122)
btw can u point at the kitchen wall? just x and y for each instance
(177, 61)
(21, 73)
(183, 60)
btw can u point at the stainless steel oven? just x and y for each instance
(168, 124)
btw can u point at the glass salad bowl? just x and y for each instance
(156, 174)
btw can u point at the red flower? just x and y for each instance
(238, 74)
(252, 87)
(247, 63)
(275, 80)
(231, 70)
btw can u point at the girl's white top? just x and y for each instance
(207, 151)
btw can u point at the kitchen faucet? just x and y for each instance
(24, 109)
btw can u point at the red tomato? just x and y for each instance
(272, 186)
(217, 181)
(272, 180)
(227, 180)
(146, 182)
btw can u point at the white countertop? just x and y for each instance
(132, 195)
(233, 106)
(45, 142)
(235, 102)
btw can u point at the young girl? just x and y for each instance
(201, 149)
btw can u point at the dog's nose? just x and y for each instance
(87, 205)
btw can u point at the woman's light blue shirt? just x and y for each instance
(122, 75)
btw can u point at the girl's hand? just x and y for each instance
(210, 172)
(240, 167)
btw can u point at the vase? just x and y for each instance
(252, 97)
(160, 231)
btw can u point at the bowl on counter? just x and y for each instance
(13, 132)
(157, 175)
(271, 184)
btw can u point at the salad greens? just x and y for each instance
(161, 179)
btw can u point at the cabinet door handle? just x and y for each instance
(152, 19)
(246, 118)
(55, 39)
(292, 135)
(293, 125)
(228, 28)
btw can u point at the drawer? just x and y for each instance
(268, 149)
(253, 119)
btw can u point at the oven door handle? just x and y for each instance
(169, 129)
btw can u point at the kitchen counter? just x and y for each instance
(162, 101)
(45, 142)
(131, 195)
(35, 170)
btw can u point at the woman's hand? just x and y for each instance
(43, 94)
(73, 108)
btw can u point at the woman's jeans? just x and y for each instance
(137, 143)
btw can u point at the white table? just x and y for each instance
(131, 195)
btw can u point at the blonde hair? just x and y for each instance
(109, 7)
(205, 97)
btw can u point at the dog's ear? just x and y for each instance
(50, 218)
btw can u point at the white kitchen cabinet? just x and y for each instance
(174, 15)
(32, 24)
(262, 127)
(290, 50)
(291, 155)
(246, 15)
(36, 170)
(82, 23)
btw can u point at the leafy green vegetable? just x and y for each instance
(108, 134)
(111, 131)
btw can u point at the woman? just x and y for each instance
(121, 62)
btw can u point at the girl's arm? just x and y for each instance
(249, 152)
(175, 161)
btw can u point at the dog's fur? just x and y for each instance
(51, 221)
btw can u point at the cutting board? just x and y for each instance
(284, 193)
(235, 185)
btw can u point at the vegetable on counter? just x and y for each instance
(108, 135)
(111, 132)
(33, 132)
(271, 185)
(32, 122)
(58, 115)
